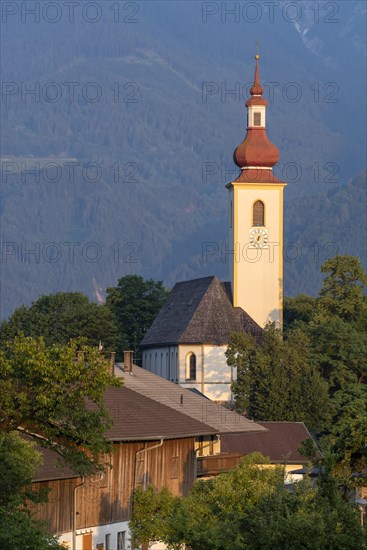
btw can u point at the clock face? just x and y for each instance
(258, 237)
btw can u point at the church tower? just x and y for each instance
(256, 219)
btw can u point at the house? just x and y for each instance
(159, 430)
(188, 339)
(281, 443)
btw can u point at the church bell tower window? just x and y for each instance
(258, 214)
(257, 119)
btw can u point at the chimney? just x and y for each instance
(128, 361)
(112, 362)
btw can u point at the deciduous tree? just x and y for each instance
(135, 302)
(60, 317)
(56, 398)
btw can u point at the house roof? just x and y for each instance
(199, 311)
(52, 468)
(137, 417)
(147, 408)
(189, 404)
(280, 442)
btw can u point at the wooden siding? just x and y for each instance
(214, 465)
(108, 500)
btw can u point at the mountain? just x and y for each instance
(121, 153)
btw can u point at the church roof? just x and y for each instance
(199, 311)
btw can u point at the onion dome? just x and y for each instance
(256, 150)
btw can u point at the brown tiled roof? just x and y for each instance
(51, 467)
(187, 403)
(136, 417)
(280, 443)
(199, 311)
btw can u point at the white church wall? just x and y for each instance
(162, 361)
(213, 375)
(184, 351)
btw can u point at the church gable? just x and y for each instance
(197, 312)
(177, 312)
(215, 318)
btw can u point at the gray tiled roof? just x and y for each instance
(199, 311)
(186, 402)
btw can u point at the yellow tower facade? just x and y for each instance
(256, 219)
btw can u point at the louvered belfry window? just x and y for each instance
(258, 214)
(257, 119)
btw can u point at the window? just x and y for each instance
(191, 366)
(258, 217)
(108, 541)
(121, 540)
(257, 119)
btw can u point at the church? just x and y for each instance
(188, 339)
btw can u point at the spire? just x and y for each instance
(256, 154)
(257, 89)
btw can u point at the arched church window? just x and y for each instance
(191, 366)
(257, 119)
(258, 214)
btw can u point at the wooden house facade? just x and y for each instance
(159, 430)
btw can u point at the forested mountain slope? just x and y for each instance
(131, 133)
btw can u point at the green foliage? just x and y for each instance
(150, 512)
(277, 380)
(342, 293)
(304, 516)
(348, 434)
(60, 317)
(250, 508)
(135, 302)
(17, 465)
(298, 311)
(18, 528)
(49, 392)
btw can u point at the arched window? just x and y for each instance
(258, 217)
(191, 366)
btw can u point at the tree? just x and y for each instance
(342, 293)
(298, 311)
(250, 508)
(18, 528)
(276, 379)
(313, 517)
(60, 317)
(56, 397)
(135, 302)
